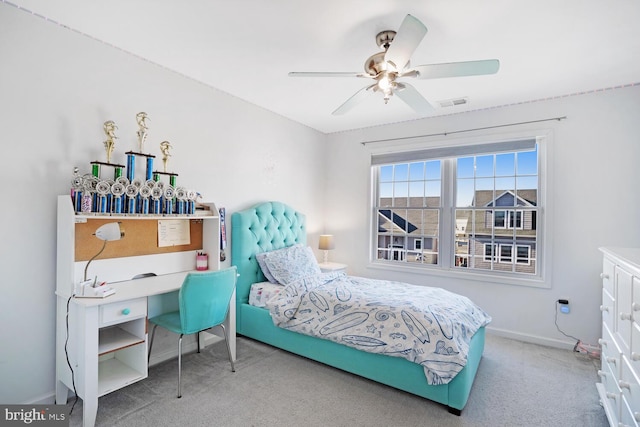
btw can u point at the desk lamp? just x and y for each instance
(326, 244)
(107, 232)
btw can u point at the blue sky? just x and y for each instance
(508, 171)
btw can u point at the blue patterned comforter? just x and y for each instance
(425, 325)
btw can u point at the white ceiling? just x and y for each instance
(546, 48)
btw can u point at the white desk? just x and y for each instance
(107, 344)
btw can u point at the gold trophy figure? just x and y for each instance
(164, 147)
(141, 118)
(110, 129)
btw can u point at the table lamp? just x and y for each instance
(326, 244)
(107, 232)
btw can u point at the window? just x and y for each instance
(507, 219)
(472, 208)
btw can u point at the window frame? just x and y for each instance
(448, 258)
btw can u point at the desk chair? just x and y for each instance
(204, 302)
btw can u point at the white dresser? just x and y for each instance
(619, 386)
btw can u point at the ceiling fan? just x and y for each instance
(388, 66)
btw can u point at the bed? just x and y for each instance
(273, 225)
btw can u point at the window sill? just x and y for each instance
(514, 280)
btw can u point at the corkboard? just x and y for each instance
(141, 238)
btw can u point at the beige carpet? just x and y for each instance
(518, 384)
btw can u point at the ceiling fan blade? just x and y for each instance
(327, 74)
(455, 69)
(405, 42)
(413, 99)
(355, 99)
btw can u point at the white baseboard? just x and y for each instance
(534, 339)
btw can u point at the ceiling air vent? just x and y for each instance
(453, 102)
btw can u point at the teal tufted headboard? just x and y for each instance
(264, 227)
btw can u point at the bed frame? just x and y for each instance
(273, 225)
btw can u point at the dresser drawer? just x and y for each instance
(627, 416)
(608, 276)
(611, 390)
(124, 311)
(630, 386)
(608, 309)
(611, 353)
(634, 358)
(624, 281)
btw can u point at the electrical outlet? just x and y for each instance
(564, 306)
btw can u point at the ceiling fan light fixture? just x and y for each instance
(385, 84)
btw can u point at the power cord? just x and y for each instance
(579, 347)
(66, 353)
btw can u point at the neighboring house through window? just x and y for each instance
(467, 208)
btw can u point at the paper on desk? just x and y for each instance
(172, 232)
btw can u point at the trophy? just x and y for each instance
(89, 189)
(110, 130)
(192, 195)
(156, 195)
(131, 191)
(141, 119)
(77, 184)
(181, 196)
(103, 188)
(168, 199)
(145, 193)
(117, 190)
(164, 147)
(122, 191)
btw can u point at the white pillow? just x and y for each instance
(290, 264)
(265, 270)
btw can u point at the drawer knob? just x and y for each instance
(635, 356)
(602, 342)
(635, 306)
(612, 396)
(126, 311)
(604, 276)
(612, 360)
(636, 416)
(604, 308)
(624, 384)
(625, 316)
(602, 374)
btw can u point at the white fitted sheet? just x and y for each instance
(261, 292)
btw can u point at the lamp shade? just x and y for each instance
(109, 232)
(326, 242)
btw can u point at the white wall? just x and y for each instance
(57, 88)
(594, 201)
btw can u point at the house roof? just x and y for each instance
(410, 218)
(505, 198)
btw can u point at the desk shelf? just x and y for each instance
(115, 372)
(115, 338)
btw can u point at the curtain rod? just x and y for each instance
(464, 130)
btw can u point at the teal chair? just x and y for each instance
(204, 302)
